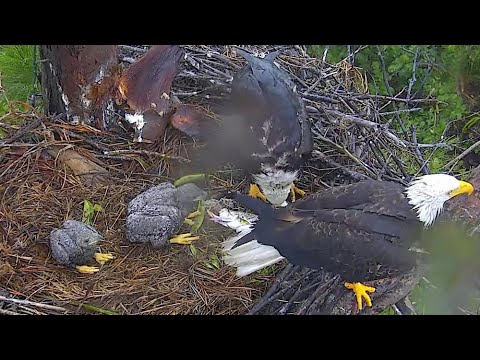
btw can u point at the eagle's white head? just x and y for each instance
(276, 184)
(429, 193)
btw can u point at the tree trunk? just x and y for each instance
(81, 81)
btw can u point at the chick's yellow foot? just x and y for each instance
(103, 258)
(188, 220)
(184, 239)
(256, 193)
(194, 214)
(360, 291)
(295, 190)
(84, 269)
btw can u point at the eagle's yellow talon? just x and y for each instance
(360, 291)
(295, 190)
(103, 258)
(298, 191)
(84, 269)
(256, 193)
(184, 239)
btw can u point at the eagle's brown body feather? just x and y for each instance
(361, 231)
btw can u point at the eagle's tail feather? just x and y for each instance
(251, 256)
(244, 252)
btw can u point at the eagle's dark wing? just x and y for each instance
(361, 231)
(359, 246)
(378, 197)
(262, 121)
(273, 110)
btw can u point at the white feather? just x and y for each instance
(275, 184)
(429, 193)
(251, 256)
(138, 121)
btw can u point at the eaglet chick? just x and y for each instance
(74, 245)
(155, 215)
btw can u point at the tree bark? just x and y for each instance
(81, 81)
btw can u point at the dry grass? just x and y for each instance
(38, 193)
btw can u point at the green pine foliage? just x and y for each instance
(16, 74)
(437, 72)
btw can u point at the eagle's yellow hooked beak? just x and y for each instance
(464, 188)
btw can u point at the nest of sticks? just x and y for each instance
(357, 135)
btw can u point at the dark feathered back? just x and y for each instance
(361, 231)
(264, 120)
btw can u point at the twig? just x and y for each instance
(400, 111)
(323, 291)
(423, 164)
(216, 71)
(350, 56)
(389, 91)
(8, 126)
(400, 166)
(26, 302)
(404, 308)
(8, 312)
(380, 159)
(133, 48)
(283, 291)
(145, 152)
(397, 161)
(366, 123)
(87, 141)
(436, 145)
(277, 282)
(384, 70)
(336, 292)
(319, 294)
(325, 52)
(393, 98)
(353, 174)
(345, 152)
(313, 86)
(454, 162)
(20, 133)
(283, 310)
(319, 98)
(17, 144)
(116, 157)
(413, 78)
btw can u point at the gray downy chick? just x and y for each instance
(157, 214)
(74, 245)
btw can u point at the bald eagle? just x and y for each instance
(264, 129)
(362, 231)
